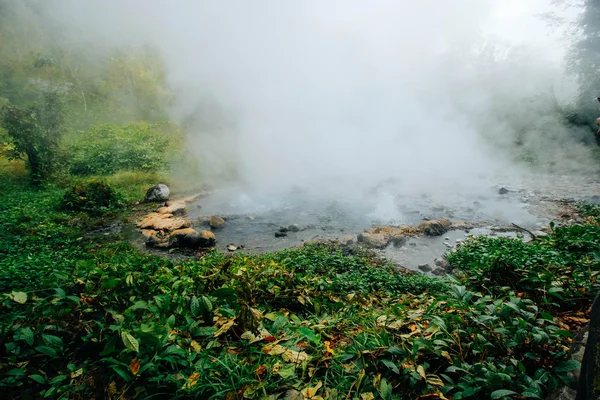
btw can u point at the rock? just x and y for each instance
(425, 268)
(375, 240)
(293, 228)
(175, 208)
(438, 272)
(232, 247)
(148, 233)
(398, 240)
(283, 229)
(435, 227)
(171, 224)
(216, 222)
(157, 193)
(441, 262)
(280, 234)
(189, 238)
(503, 190)
(348, 240)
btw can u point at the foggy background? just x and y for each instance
(341, 97)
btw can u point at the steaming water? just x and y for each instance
(253, 217)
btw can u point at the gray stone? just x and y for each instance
(438, 272)
(157, 193)
(425, 268)
(293, 228)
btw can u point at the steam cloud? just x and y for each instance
(342, 96)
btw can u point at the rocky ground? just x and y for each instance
(188, 225)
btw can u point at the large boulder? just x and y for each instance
(375, 240)
(157, 193)
(435, 227)
(189, 238)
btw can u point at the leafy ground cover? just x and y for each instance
(91, 317)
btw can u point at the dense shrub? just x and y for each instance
(92, 197)
(107, 149)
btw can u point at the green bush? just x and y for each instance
(36, 133)
(94, 197)
(106, 149)
(559, 270)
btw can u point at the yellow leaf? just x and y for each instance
(328, 349)
(446, 355)
(310, 392)
(367, 396)
(226, 326)
(195, 345)
(421, 371)
(275, 350)
(435, 380)
(294, 356)
(191, 381)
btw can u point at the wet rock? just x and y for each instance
(148, 233)
(232, 247)
(348, 240)
(293, 228)
(425, 268)
(438, 272)
(283, 229)
(435, 227)
(157, 193)
(175, 208)
(189, 238)
(502, 190)
(441, 262)
(280, 234)
(160, 222)
(216, 222)
(375, 240)
(398, 240)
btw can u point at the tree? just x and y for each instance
(36, 132)
(584, 57)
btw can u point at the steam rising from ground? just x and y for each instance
(341, 97)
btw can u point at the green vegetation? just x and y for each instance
(90, 316)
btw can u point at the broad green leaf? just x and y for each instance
(130, 342)
(38, 378)
(310, 335)
(49, 351)
(171, 322)
(27, 336)
(195, 306)
(53, 341)
(567, 366)
(385, 389)
(205, 303)
(498, 394)
(288, 371)
(19, 297)
(391, 366)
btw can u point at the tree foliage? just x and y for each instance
(36, 133)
